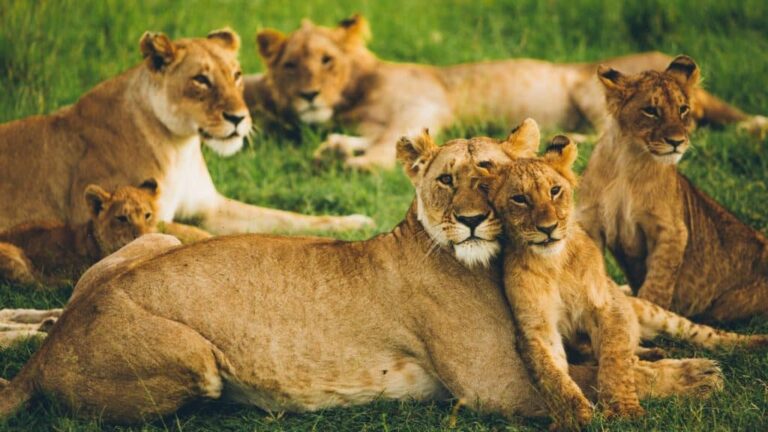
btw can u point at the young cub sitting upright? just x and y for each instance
(677, 246)
(557, 285)
(52, 250)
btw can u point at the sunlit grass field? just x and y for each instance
(53, 51)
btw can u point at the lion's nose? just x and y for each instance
(309, 96)
(674, 141)
(472, 221)
(233, 118)
(547, 229)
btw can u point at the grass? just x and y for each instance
(53, 51)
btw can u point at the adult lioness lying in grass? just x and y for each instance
(316, 74)
(557, 286)
(297, 324)
(678, 247)
(145, 123)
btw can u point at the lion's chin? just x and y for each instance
(476, 252)
(668, 159)
(225, 147)
(549, 249)
(316, 115)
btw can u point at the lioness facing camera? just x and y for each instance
(317, 74)
(301, 324)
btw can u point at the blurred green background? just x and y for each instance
(53, 51)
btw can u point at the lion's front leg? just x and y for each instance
(228, 216)
(347, 146)
(615, 347)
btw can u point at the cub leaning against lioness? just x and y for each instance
(298, 324)
(317, 74)
(557, 286)
(677, 246)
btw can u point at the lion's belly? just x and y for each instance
(313, 390)
(511, 91)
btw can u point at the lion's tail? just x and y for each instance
(16, 393)
(655, 321)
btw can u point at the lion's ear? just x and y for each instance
(95, 197)
(523, 141)
(615, 85)
(158, 50)
(270, 42)
(414, 153)
(684, 70)
(226, 37)
(149, 185)
(561, 153)
(355, 30)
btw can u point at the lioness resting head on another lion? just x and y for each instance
(145, 123)
(558, 287)
(53, 249)
(678, 247)
(297, 324)
(317, 73)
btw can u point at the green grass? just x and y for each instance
(53, 51)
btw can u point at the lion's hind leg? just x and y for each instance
(14, 265)
(126, 365)
(742, 303)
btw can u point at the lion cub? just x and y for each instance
(557, 285)
(677, 246)
(53, 251)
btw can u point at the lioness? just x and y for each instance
(145, 123)
(316, 74)
(58, 250)
(557, 286)
(678, 247)
(302, 324)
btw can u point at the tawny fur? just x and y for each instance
(147, 122)
(317, 74)
(678, 247)
(558, 288)
(302, 324)
(54, 251)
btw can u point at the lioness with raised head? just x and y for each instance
(301, 324)
(558, 288)
(678, 247)
(145, 123)
(316, 74)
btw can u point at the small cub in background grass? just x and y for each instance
(557, 285)
(54, 252)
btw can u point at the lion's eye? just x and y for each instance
(122, 218)
(651, 112)
(238, 75)
(684, 110)
(446, 179)
(202, 80)
(290, 65)
(327, 60)
(485, 164)
(520, 199)
(148, 216)
(555, 191)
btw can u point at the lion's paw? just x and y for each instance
(756, 125)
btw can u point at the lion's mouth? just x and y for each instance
(546, 242)
(207, 135)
